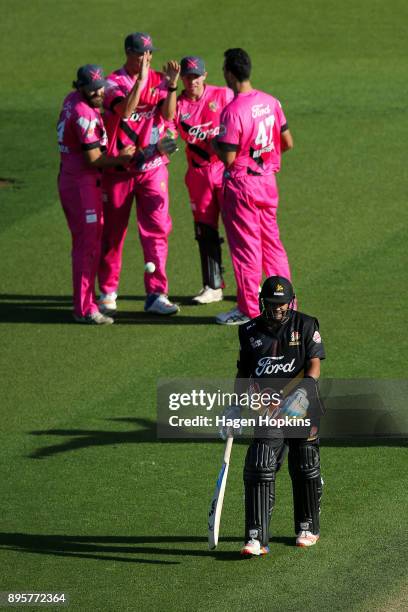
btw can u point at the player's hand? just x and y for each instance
(172, 72)
(126, 154)
(167, 146)
(296, 404)
(144, 69)
(231, 413)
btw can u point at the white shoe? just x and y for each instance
(107, 303)
(232, 317)
(253, 548)
(96, 318)
(208, 295)
(306, 538)
(158, 303)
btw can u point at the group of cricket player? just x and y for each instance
(116, 136)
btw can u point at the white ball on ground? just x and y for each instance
(150, 267)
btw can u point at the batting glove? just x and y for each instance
(232, 413)
(296, 404)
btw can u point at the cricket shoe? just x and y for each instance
(232, 317)
(159, 303)
(253, 548)
(95, 318)
(306, 538)
(208, 295)
(107, 303)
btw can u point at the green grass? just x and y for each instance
(103, 510)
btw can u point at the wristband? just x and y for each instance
(172, 88)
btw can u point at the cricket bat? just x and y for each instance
(214, 514)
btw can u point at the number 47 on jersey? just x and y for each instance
(264, 138)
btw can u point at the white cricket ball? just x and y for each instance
(150, 267)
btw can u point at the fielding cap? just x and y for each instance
(277, 290)
(192, 65)
(91, 77)
(139, 42)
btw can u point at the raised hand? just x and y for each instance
(172, 72)
(144, 69)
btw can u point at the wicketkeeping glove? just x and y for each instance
(167, 146)
(232, 412)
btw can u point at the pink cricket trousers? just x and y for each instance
(153, 221)
(249, 214)
(205, 190)
(81, 199)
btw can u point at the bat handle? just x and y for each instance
(227, 450)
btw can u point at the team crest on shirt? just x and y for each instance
(213, 106)
(317, 337)
(185, 116)
(294, 338)
(255, 342)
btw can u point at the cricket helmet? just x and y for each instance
(276, 291)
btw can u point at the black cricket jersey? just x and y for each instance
(281, 352)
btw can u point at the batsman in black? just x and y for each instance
(282, 343)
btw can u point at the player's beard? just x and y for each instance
(94, 100)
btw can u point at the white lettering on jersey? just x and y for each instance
(258, 110)
(198, 133)
(266, 366)
(140, 115)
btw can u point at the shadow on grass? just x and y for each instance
(107, 548)
(146, 432)
(21, 297)
(84, 438)
(54, 309)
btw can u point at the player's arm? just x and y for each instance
(286, 139)
(124, 107)
(312, 368)
(168, 107)
(225, 151)
(96, 158)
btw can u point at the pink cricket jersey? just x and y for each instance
(253, 121)
(146, 125)
(198, 122)
(80, 127)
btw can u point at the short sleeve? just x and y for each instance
(114, 93)
(281, 117)
(230, 127)
(313, 341)
(86, 127)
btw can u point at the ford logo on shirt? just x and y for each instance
(268, 365)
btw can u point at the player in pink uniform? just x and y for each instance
(198, 113)
(82, 142)
(138, 102)
(253, 134)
